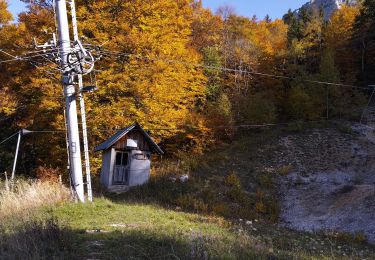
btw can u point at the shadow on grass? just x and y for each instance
(46, 240)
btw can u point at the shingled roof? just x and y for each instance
(121, 133)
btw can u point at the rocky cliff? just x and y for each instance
(328, 6)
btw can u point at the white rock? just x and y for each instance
(184, 178)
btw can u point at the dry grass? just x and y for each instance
(26, 196)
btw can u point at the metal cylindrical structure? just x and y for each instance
(16, 155)
(83, 112)
(70, 100)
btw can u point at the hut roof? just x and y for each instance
(121, 133)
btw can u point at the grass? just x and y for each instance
(121, 229)
(25, 231)
(25, 196)
(111, 229)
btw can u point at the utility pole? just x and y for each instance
(70, 99)
(16, 156)
(20, 134)
(83, 112)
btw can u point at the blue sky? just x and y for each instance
(275, 8)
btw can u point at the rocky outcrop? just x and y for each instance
(328, 6)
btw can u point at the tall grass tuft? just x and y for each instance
(25, 196)
(26, 231)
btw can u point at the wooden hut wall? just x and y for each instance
(135, 135)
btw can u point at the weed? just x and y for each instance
(265, 181)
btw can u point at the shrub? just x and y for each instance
(267, 206)
(265, 181)
(259, 108)
(356, 238)
(187, 201)
(237, 194)
(222, 209)
(50, 174)
(232, 180)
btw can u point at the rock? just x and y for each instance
(184, 178)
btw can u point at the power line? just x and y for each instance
(26, 57)
(138, 56)
(8, 138)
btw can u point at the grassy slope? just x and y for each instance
(152, 222)
(107, 229)
(110, 230)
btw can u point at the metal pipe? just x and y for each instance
(16, 156)
(83, 110)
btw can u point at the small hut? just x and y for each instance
(126, 158)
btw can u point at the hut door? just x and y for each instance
(121, 169)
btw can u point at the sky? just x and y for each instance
(260, 8)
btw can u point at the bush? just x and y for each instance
(265, 181)
(305, 104)
(222, 209)
(259, 108)
(267, 206)
(238, 195)
(232, 180)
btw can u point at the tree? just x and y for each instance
(150, 90)
(267, 19)
(206, 28)
(338, 36)
(364, 38)
(5, 15)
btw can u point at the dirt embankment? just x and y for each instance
(332, 185)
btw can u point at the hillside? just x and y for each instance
(227, 209)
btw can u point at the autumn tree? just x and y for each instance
(338, 38)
